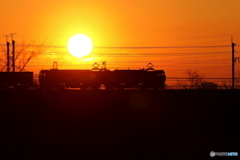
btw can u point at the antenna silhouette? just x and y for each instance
(8, 53)
(13, 52)
(233, 63)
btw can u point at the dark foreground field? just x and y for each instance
(180, 124)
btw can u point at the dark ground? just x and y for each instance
(171, 124)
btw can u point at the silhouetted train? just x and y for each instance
(88, 79)
(118, 79)
(16, 79)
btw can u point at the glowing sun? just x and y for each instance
(80, 45)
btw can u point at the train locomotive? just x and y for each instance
(93, 79)
(96, 78)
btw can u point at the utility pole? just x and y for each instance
(233, 64)
(13, 52)
(8, 53)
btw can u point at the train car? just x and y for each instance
(61, 79)
(137, 79)
(94, 79)
(16, 79)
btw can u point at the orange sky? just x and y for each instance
(177, 26)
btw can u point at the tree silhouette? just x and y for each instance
(194, 80)
(24, 53)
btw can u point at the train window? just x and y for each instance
(159, 74)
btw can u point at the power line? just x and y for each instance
(159, 47)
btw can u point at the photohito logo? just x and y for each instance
(212, 153)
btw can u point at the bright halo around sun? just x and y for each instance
(80, 45)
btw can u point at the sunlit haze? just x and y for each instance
(173, 35)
